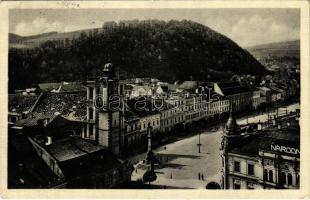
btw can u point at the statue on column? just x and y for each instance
(149, 175)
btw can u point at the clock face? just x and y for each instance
(99, 102)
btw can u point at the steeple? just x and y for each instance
(103, 122)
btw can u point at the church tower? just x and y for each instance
(229, 136)
(103, 113)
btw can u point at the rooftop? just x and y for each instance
(142, 106)
(70, 106)
(229, 88)
(21, 103)
(33, 118)
(71, 147)
(35, 173)
(251, 143)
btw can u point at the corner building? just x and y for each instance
(262, 158)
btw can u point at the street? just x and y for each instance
(181, 161)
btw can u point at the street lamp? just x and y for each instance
(199, 144)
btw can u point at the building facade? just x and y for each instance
(266, 158)
(103, 116)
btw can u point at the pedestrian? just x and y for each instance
(202, 178)
(171, 175)
(199, 176)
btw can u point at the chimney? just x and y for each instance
(45, 122)
(48, 140)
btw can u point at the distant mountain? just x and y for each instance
(36, 40)
(173, 50)
(14, 38)
(279, 49)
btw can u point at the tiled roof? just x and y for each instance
(142, 106)
(62, 87)
(72, 87)
(71, 106)
(21, 103)
(32, 119)
(35, 174)
(46, 87)
(71, 147)
(188, 85)
(130, 116)
(229, 88)
(79, 157)
(251, 144)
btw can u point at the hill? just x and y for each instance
(279, 49)
(173, 50)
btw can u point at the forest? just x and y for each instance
(167, 50)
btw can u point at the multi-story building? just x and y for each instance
(170, 116)
(131, 134)
(103, 111)
(45, 153)
(239, 94)
(265, 95)
(256, 100)
(147, 112)
(265, 158)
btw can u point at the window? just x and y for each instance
(90, 113)
(250, 169)
(289, 179)
(90, 129)
(282, 178)
(237, 166)
(297, 179)
(91, 93)
(237, 186)
(265, 174)
(270, 176)
(13, 119)
(110, 179)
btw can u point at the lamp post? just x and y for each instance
(199, 144)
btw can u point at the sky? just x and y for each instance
(247, 27)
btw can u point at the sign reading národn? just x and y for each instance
(289, 150)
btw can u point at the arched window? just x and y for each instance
(265, 174)
(270, 176)
(282, 178)
(297, 179)
(90, 113)
(289, 179)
